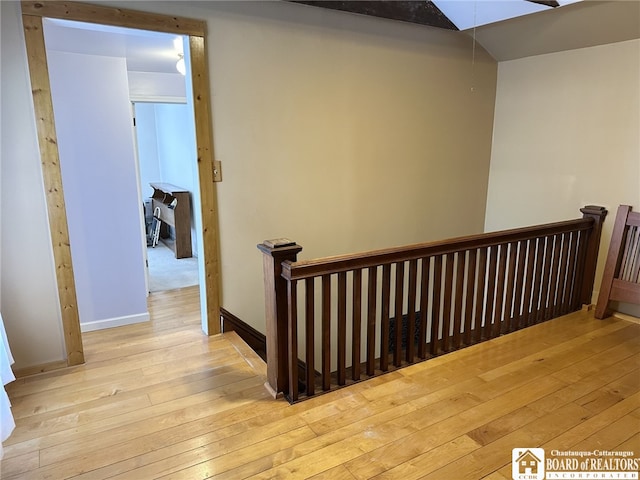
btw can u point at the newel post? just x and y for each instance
(593, 244)
(275, 298)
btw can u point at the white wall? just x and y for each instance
(156, 87)
(30, 306)
(176, 144)
(95, 141)
(147, 143)
(566, 134)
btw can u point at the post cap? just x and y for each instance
(594, 210)
(279, 246)
(278, 243)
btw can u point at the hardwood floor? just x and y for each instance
(161, 400)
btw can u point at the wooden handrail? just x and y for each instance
(373, 312)
(341, 263)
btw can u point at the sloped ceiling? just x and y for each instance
(544, 30)
(580, 25)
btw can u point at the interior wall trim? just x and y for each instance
(114, 322)
(252, 337)
(41, 368)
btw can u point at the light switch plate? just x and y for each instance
(217, 171)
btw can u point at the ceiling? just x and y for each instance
(145, 51)
(511, 29)
(449, 14)
(535, 30)
(469, 14)
(579, 25)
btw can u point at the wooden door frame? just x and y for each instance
(32, 14)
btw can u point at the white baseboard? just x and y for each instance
(114, 322)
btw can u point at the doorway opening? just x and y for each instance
(166, 159)
(94, 73)
(33, 14)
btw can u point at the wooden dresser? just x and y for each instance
(175, 210)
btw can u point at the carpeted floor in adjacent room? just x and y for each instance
(166, 272)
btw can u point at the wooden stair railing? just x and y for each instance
(432, 297)
(621, 277)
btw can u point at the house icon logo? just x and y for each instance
(527, 463)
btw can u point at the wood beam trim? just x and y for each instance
(52, 176)
(208, 190)
(118, 17)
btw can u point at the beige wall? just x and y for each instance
(347, 133)
(566, 134)
(341, 132)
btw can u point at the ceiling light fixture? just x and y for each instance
(180, 66)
